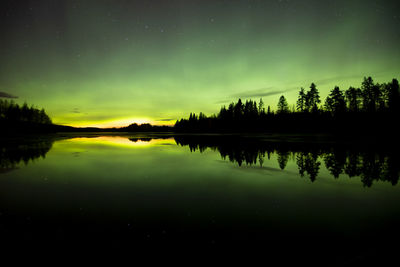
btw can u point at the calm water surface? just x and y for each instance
(213, 193)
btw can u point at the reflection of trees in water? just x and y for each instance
(308, 163)
(283, 158)
(142, 139)
(369, 165)
(14, 152)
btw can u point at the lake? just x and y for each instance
(307, 197)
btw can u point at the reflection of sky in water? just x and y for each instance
(263, 159)
(147, 182)
(121, 141)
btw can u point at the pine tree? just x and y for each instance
(335, 101)
(261, 109)
(353, 99)
(312, 99)
(393, 96)
(301, 101)
(283, 106)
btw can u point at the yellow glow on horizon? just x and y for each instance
(112, 123)
(166, 123)
(118, 123)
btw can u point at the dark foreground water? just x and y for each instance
(287, 200)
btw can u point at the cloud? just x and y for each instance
(6, 95)
(222, 101)
(167, 119)
(338, 79)
(255, 93)
(262, 92)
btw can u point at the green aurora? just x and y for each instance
(111, 63)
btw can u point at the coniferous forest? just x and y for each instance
(12, 112)
(16, 119)
(372, 108)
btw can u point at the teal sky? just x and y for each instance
(111, 63)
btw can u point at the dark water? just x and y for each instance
(329, 202)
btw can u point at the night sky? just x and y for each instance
(111, 63)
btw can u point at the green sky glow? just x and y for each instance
(96, 63)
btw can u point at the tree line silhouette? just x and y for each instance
(371, 108)
(29, 119)
(144, 127)
(370, 164)
(12, 112)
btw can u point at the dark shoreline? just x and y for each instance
(290, 140)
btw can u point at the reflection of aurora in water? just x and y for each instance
(369, 164)
(98, 189)
(25, 150)
(123, 141)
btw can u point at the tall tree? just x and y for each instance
(367, 90)
(335, 101)
(378, 94)
(261, 109)
(312, 99)
(353, 99)
(283, 106)
(301, 101)
(238, 109)
(222, 115)
(393, 95)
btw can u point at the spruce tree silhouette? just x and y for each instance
(312, 99)
(353, 99)
(301, 101)
(283, 107)
(335, 102)
(393, 94)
